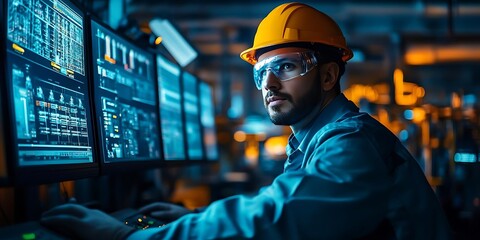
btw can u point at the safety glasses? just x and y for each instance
(284, 66)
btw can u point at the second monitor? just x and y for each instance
(126, 103)
(170, 99)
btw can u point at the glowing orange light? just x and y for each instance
(456, 101)
(406, 93)
(251, 154)
(240, 136)
(158, 40)
(428, 54)
(419, 115)
(356, 92)
(275, 146)
(423, 55)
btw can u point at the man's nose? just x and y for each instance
(271, 80)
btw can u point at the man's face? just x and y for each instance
(289, 101)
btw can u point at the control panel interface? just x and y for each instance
(207, 118)
(192, 117)
(170, 110)
(46, 76)
(125, 93)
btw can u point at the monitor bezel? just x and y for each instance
(38, 174)
(4, 180)
(123, 165)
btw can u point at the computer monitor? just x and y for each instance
(126, 107)
(191, 112)
(207, 118)
(170, 99)
(47, 92)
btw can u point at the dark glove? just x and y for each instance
(164, 211)
(80, 222)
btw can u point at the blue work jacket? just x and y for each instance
(346, 177)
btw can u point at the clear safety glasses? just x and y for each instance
(285, 66)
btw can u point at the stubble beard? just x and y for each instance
(297, 110)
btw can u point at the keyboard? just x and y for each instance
(34, 231)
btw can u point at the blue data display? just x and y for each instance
(192, 117)
(125, 93)
(48, 84)
(207, 118)
(170, 110)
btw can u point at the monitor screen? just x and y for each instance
(192, 117)
(126, 99)
(170, 110)
(47, 85)
(207, 118)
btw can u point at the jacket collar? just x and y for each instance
(333, 111)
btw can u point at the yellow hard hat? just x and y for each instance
(297, 22)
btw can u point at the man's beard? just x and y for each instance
(299, 109)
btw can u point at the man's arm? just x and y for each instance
(342, 193)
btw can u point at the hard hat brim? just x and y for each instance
(249, 55)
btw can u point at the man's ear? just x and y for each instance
(330, 75)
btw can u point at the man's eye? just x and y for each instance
(263, 73)
(285, 67)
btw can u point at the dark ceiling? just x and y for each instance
(220, 30)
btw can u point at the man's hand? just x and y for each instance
(164, 211)
(80, 222)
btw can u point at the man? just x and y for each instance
(346, 176)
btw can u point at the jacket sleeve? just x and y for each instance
(341, 193)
